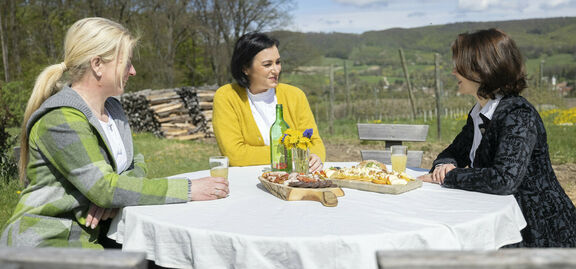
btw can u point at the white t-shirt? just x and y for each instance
(263, 106)
(487, 111)
(116, 145)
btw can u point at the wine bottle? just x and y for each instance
(280, 157)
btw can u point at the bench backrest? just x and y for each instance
(392, 134)
(521, 258)
(68, 258)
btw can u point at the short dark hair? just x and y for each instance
(245, 49)
(491, 58)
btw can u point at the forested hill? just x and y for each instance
(534, 36)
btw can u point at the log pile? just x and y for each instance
(181, 113)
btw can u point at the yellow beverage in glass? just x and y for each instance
(399, 162)
(219, 172)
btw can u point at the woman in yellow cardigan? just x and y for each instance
(244, 111)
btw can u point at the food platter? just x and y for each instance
(326, 196)
(373, 176)
(380, 188)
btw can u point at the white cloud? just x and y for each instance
(478, 5)
(350, 17)
(557, 3)
(512, 6)
(361, 2)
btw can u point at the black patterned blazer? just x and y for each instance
(513, 158)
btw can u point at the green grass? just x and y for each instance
(561, 143)
(170, 157)
(10, 192)
(346, 129)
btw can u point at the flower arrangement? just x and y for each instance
(561, 116)
(295, 139)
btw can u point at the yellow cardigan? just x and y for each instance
(238, 135)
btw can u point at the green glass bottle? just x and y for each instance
(280, 157)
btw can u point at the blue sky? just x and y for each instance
(357, 16)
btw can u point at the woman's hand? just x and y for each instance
(315, 163)
(440, 172)
(96, 214)
(209, 188)
(426, 178)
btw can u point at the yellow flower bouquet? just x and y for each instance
(299, 142)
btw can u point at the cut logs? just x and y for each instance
(181, 113)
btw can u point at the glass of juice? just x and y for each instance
(399, 157)
(218, 166)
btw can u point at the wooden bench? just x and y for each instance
(392, 134)
(522, 258)
(70, 258)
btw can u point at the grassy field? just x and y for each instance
(169, 157)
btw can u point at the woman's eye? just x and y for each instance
(278, 62)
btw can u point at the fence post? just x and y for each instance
(540, 74)
(347, 88)
(437, 91)
(405, 69)
(331, 114)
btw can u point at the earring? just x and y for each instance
(99, 74)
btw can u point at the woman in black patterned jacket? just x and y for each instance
(502, 149)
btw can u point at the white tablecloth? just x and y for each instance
(254, 229)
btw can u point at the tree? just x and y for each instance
(224, 21)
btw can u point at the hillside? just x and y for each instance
(535, 37)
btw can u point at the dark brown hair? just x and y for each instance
(491, 58)
(245, 50)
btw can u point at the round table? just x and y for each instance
(254, 229)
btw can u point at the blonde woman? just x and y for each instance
(78, 160)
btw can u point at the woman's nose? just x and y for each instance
(132, 71)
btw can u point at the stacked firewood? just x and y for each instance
(181, 113)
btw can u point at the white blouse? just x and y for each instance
(263, 106)
(487, 111)
(116, 145)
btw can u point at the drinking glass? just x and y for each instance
(219, 166)
(399, 157)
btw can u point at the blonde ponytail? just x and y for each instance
(44, 87)
(85, 39)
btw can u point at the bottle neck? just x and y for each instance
(279, 113)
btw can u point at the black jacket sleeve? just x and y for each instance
(515, 138)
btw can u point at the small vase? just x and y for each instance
(300, 159)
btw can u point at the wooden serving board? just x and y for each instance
(381, 188)
(326, 196)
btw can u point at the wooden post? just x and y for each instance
(347, 88)
(377, 103)
(331, 120)
(4, 52)
(405, 69)
(438, 91)
(540, 74)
